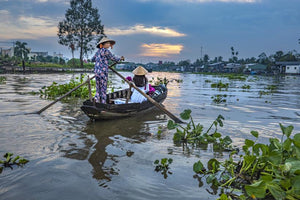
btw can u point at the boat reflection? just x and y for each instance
(111, 138)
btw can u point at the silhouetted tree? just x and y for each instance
(205, 59)
(234, 55)
(21, 51)
(81, 27)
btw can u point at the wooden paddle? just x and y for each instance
(176, 119)
(60, 98)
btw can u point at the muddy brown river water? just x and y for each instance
(72, 157)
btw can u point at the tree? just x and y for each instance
(278, 55)
(234, 55)
(205, 59)
(81, 28)
(198, 62)
(21, 50)
(220, 59)
(263, 58)
(184, 63)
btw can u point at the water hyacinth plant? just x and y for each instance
(2, 79)
(10, 161)
(220, 85)
(261, 171)
(219, 98)
(56, 90)
(195, 135)
(163, 166)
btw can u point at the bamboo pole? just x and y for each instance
(60, 98)
(90, 91)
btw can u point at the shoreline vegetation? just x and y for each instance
(34, 68)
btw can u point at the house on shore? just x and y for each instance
(232, 67)
(8, 52)
(34, 54)
(255, 68)
(289, 67)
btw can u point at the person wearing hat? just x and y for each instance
(102, 57)
(140, 80)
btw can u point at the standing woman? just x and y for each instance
(102, 56)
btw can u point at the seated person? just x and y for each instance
(141, 82)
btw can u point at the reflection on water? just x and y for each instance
(71, 156)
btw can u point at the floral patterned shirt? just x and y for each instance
(101, 58)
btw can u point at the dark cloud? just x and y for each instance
(252, 28)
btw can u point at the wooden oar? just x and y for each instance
(176, 119)
(60, 98)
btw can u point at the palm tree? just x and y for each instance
(22, 52)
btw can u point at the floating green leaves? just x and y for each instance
(163, 166)
(56, 90)
(263, 171)
(193, 133)
(219, 98)
(2, 79)
(9, 161)
(220, 85)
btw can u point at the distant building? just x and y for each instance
(34, 54)
(232, 67)
(292, 67)
(255, 68)
(59, 55)
(160, 62)
(216, 67)
(8, 52)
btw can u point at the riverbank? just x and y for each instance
(34, 70)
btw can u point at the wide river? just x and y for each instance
(72, 157)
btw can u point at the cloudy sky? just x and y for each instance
(152, 30)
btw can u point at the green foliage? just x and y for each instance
(54, 65)
(263, 171)
(9, 161)
(159, 81)
(207, 81)
(163, 166)
(220, 85)
(81, 28)
(219, 98)
(270, 89)
(235, 77)
(55, 90)
(246, 87)
(21, 51)
(2, 79)
(193, 133)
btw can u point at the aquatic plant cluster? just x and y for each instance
(163, 81)
(220, 85)
(257, 171)
(219, 98)
(270, 89)
(10, 161)
(2, 79)
(163, 166)
(195, 135)
(55, 90)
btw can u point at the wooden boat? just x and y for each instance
(100, 111)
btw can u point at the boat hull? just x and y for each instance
(109, 111)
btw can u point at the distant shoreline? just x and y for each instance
(33, 70)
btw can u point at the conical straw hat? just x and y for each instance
(105, 39)
(140, 71)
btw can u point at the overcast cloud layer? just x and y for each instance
(152, 30)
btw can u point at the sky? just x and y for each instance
(167, 30)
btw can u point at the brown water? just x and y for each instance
(72, 157)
